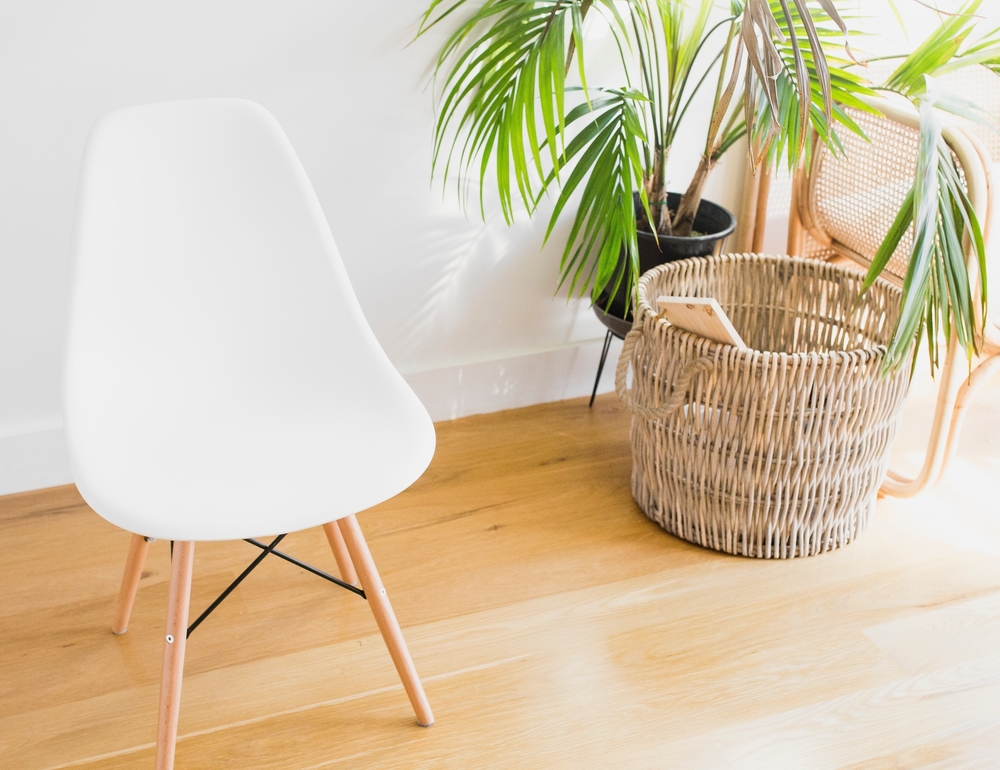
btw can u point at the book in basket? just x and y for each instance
(700, 315)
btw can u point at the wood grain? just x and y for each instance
(553, 626)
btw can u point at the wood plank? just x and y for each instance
(553, 626)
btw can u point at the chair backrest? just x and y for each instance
(206, 288)
(847, 204)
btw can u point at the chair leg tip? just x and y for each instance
(119, 632)
(426, 724)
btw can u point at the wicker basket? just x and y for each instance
(774, 451)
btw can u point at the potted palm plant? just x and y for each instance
(508, 113)
(778, 75)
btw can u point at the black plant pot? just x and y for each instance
(713, 221)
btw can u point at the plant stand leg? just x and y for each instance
(600, 366)
(386, 618)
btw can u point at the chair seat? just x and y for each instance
(221, 380)
(231, 478)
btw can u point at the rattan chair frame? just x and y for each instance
(811, 216)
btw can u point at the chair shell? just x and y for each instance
(221, 380)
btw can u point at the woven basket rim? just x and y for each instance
(753, 355)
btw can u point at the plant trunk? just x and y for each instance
(656, 193)
(687, 209)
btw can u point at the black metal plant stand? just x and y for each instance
(600, 366)
(617, 327)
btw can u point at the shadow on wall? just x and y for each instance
(481, 328)
(452, 253)
(482, 291)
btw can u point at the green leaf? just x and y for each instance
(935, 52)
(901, 223)
(608, 166)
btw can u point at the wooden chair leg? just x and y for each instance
(982, 374)
(950, 382)
(386, 618)
(130, 582)
(173, 653)
(339, 548)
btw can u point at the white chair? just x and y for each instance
(221, 381)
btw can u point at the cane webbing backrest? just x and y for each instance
(981, 87)
(853, 199)
(813, 249)
(848, 203)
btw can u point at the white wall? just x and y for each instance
(464, 308)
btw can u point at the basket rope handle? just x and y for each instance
(682, 387)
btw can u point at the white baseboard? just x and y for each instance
(33, 461)
(492, 386)
(39, 459)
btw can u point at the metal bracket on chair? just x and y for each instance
(265, 550)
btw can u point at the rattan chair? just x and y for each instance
(841, 209)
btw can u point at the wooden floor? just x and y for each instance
(553, 625)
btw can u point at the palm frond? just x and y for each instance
(504, 96)
(937, 286)
(605, 159)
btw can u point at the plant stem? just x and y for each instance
(647, 79)
(657, 194)
(658, 109)
(716, 119)
(691, 199)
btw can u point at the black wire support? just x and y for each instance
(266, 550)
(309, 568)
